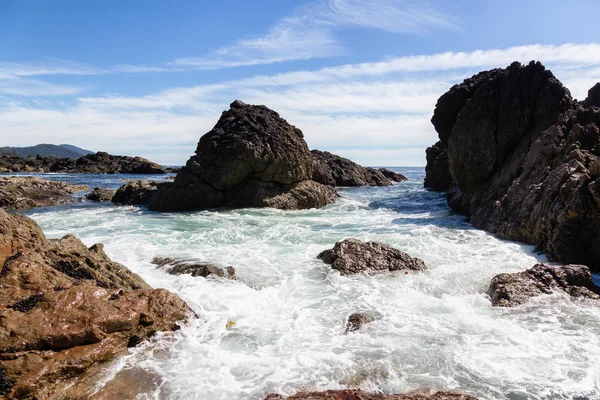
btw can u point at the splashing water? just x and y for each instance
(280, 327)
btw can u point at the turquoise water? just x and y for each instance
(434, 329)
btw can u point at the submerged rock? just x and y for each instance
(66, 309)
(100, 194)
(20, 193)
(334, 170)
(251, 155)
(136, 192)
(352, 256)
(181, 267)
(353, 394)
(519, 157)
(508, 290)
(95, 163)
(356, 321)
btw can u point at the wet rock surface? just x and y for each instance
(136, 192)
(250, 156)
(333, 170)
(508, 290)
(96, 163)
(352, 394)
(520, 158)
(391, 175)
(356, 321)
(65, 309)
(20, 193)
(352, 256)
(191, 267)
(100, 194)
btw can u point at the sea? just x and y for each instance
(279, 328)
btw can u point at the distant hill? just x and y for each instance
(46, 150)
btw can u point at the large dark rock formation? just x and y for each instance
(65, 309)
(352, 256)
(251, 158)
(353, 394)
(509, 290)
(334, 170)
(520, 157)
(95, 163)
(20, 193)
(136, 192)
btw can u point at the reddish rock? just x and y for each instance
(352, 394)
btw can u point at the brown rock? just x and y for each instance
(100, 194)
(20, 193)
(136, 192)
(508, 290)
(353, 394)
(394, 176)
(356, 321)
(250, 156)
(65, 309)
(352, 256)
(334, 170)
(181, 267)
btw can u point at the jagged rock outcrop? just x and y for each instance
(356, 321)
(136, 192)
(520, 157)
(100, 194)
(352, 256)
(251, 158)
(508, 290)
(353, 394)
(20, 193)
(96, 163)
(191, 267)
(65, 309)
(333, 170)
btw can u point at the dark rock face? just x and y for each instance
(100, 194)
(95, 163)
(352, 256)
(136, 192)
(508, 290)
(66, 309)
(356, 321)
(251, 156)
(181, 267)
(352, 394)
(20, 193)
(391, 175)
(333, 170)
(593, 98)
(520, 157)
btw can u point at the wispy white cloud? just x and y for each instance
(311, 31)
(373, 112)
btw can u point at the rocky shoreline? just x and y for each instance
(20, 193)
(521, 158)
(96, 163)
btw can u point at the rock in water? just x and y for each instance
(508, 290)
(352, 256)
(100, 194)
(520, 157)
(334, 170)
(393, 176)
(136, 192)
(356, 321)
(251, 158)
(66, 309)
(191, 267)
(20, 193)
(353, 394)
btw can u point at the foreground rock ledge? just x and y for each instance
(508, 290)
(361, 395)
(21, 193)
(521, 158)
(65, 309)
(352, 256)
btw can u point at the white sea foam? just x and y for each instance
(434, 329)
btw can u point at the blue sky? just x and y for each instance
(359, 77)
